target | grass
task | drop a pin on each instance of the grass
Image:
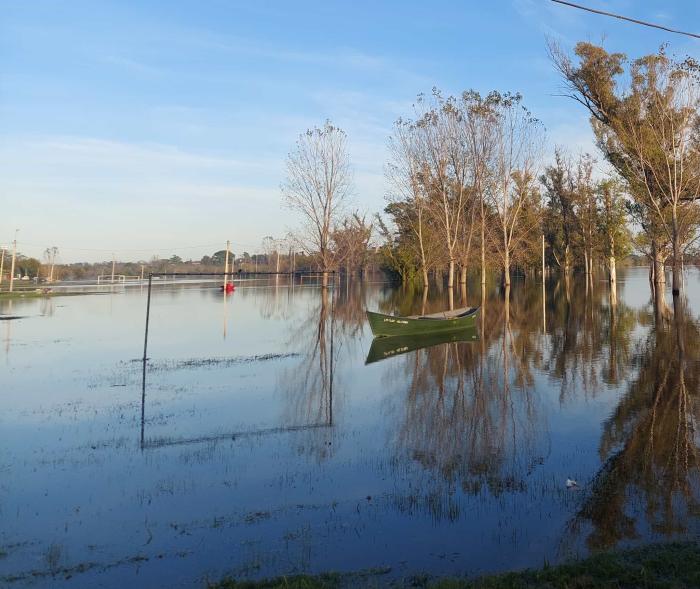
(656, 566)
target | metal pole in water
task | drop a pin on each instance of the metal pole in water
(143, 403)
(148, 315)
(330, 388)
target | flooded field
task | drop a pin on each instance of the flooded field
(257, 441)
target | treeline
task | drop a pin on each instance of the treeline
(276, 260)
(486, 221)
(469, 190)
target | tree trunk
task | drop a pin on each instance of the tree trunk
(451, 274)
(483, 244)
(677, 276)
(506, 269)
(659, 276)
(463, 275)
(324, 280)
(612, 270)
(567, 260)
(424, 266)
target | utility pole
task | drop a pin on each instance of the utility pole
(113, 264)
(142, 272)
(543, 258)
(52, 260)
(228, 245)
(14, 257)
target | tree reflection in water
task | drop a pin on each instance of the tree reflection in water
(470, 419)
(471, 416)
(309, 387)
(649, 481)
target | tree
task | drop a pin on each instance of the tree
(444, 169)
(613, 225)
(518, 140)
(218, 258)
(647, 127)
(318, 183)
(560, 221)
(407, 193)
(479, 118)
(351, 240)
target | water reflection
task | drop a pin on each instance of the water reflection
(649, 481)
(383, 348)
(470, 415)
(281, 442)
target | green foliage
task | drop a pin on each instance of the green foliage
(219, 258)
(398, 255)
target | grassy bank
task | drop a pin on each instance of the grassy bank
(34, 294)
(654, 566)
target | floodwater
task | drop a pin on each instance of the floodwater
(260, 443)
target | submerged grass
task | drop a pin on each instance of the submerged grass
(667, 566)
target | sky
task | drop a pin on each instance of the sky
(148, 128)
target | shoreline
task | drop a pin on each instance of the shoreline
(668, 565)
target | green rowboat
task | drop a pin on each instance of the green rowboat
(388, 347)
(389, 325)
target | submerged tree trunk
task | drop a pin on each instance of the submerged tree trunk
(463, 275)
(659, 276)
(612, 270)
(451, 274)
(677, 276)
(424, 265)
(483, 245)
(426, 282)
(506, 269)
(324, 280)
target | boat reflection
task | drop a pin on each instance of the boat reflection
(388, 347)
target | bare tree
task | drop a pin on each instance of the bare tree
(478, 124)
(518, 142)
(318, 183)
(445, 169)
(351, 239)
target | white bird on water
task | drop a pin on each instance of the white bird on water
(571, 483)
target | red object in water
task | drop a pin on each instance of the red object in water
(229, 288)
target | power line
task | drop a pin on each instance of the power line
(627, 18)
(134, 250)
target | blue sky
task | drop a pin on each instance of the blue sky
(158, 127)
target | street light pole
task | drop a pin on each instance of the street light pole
(14, 257)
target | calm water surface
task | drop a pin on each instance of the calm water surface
(262, 444)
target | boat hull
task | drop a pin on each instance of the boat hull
(388, 325)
